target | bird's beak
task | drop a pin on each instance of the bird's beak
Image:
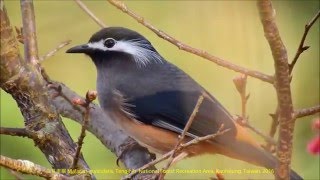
(84, 48)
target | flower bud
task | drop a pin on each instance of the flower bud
(240, 82)
(91, 95)
(78, 101)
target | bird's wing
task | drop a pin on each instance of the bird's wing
(171, 110)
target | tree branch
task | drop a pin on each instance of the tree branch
(282, 85)
(302, 47)
(221, 62)
(220, 132)
(307, 111)
(54, 51)
(300, 50)
(24, 82)
(90, 96)
(22, 132)
(15, 174)
(29, 32)
(90, 13)
(28, 167)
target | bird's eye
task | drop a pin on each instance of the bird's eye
(109, 43)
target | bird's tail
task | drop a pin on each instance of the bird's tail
(246, 149)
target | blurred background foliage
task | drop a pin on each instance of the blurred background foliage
(227, 29)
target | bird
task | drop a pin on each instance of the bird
(151, 100)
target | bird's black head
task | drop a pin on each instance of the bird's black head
(112, 41)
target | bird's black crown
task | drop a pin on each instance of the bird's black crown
(117, 33)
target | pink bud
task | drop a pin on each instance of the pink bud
(78, 101)
(314, 146)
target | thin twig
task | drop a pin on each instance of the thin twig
(15, 174)
(28, 167)
(282, 86)
(274, 124)
(302, 47)
(80, 140)
(54, 51)
(22, 132)
(181, 137)
(267, 138)
(91, 95)
(29, 32)
(221, 62)
(90, 13)
(307, 111)
(58, 88)
(182, 146)
(241, 84)
(205, 138)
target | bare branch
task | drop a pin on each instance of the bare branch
(282, 85)
(91, 95)
(54, 51)
(15, 132)
(302, 47)
(15, 174)
(265, 137)
(90, 13)
(190, 120)
(181, 137)
(29, 32)
(300, 50)
(221, 62)
(307, 111)
(28, 167)
(205, 138)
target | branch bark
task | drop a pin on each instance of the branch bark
(22, 132)
(307, 111)
(29, 32)
(28, 167)
(282, 85)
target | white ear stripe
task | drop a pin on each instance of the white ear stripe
(139, 49)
